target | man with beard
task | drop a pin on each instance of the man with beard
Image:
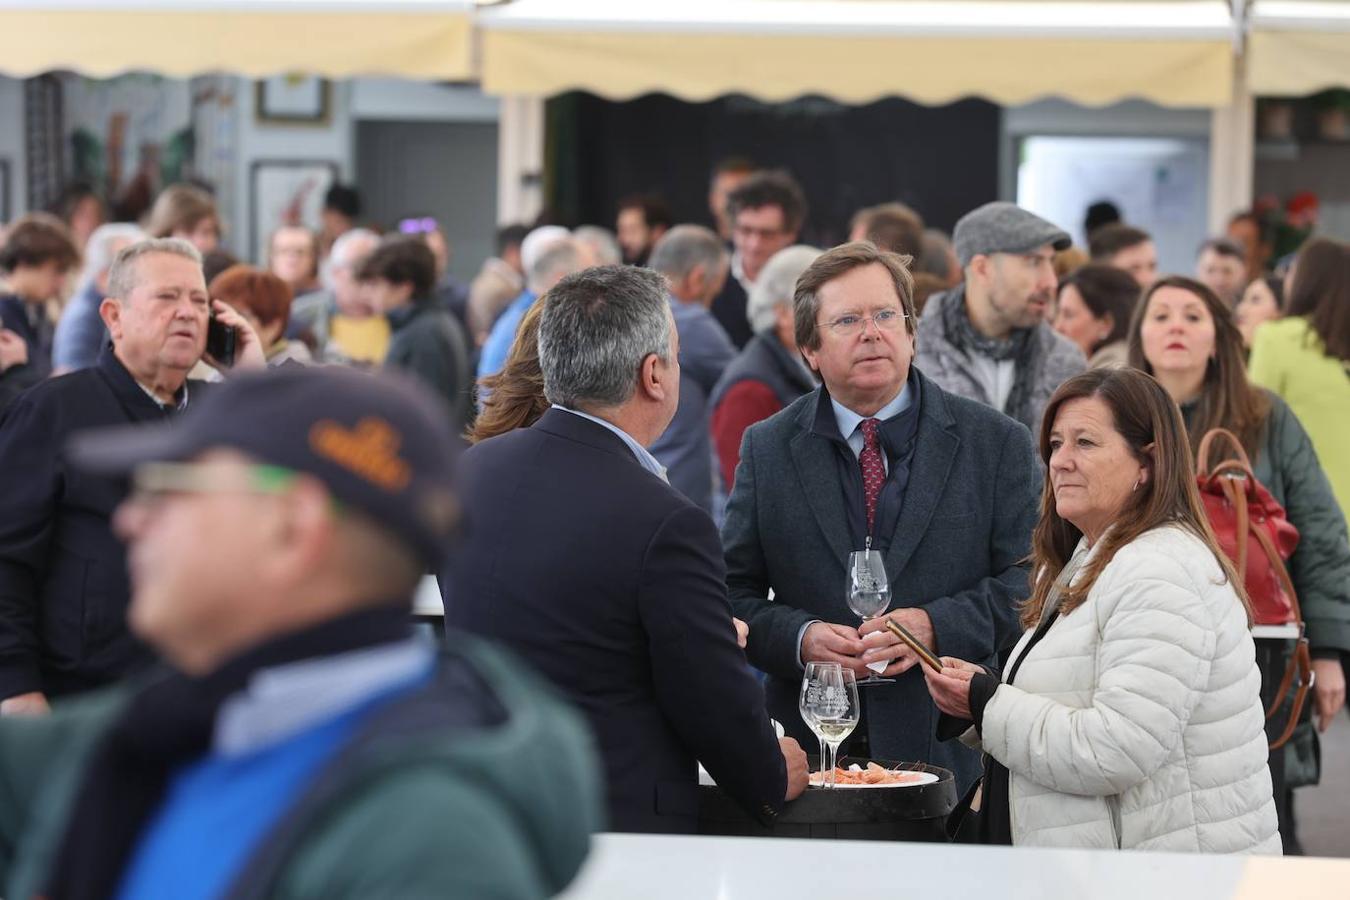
(643, 219)
(987, 339)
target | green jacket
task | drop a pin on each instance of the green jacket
(1287, 358)
(410, 808)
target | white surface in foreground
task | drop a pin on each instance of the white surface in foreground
(624, 866)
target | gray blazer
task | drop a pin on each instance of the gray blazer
(963, 532)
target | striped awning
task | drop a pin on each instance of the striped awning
(424, 39)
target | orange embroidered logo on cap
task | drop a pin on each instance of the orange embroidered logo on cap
(369, 450)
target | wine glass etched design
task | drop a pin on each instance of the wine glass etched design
(810, 676)
(869, 596)
(832, 700)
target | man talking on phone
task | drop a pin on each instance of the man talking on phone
(63, 579)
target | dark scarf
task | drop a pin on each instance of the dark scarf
(168, 724)
(1020, 346)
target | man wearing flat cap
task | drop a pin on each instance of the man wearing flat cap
(300, 741)
(987, 339)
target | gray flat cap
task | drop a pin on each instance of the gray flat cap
(1004, 228)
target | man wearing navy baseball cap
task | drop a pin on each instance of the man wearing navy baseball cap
(300, 741)
(987, 339)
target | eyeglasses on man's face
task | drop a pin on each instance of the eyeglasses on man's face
(852, 324)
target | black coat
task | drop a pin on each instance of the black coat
(957, 549)
(611, 584)
(63, 580)
(729, 309)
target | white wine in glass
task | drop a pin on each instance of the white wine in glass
(833, 701)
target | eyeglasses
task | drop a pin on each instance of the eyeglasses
(153, 481)
(850, 325)
(425, 225)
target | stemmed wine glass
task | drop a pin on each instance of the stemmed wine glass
(869, 596)
(831, 700)
(812, 677)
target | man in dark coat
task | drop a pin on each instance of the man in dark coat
(63, 579)
(581, 559)
(766, 215)
(881, 457)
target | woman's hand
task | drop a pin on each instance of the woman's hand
(248, 346)
(950, 688)
(1328, 690)
(742, 632)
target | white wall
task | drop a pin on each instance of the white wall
(12, 144)
(330, 141)
(1178, 231)
(393, 99)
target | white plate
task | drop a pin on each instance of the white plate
(924, 778)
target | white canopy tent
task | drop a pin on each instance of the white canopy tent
(1172, 52)
(424, 39)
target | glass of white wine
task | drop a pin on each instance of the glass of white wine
(809, 677)
(832, 699)
(869, 596)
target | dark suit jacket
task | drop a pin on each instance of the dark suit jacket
(966, 522)
(728, 308)
(611, 584)
(63, 574)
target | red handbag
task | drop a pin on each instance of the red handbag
(1255, 535)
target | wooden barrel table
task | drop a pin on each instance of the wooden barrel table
(901, 813)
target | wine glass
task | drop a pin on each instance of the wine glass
(832, 699)
(811, 676)
(869, 596)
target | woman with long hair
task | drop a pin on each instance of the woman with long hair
(1132, 701)
(514, 397)
(1305, 357)
(1186, 337)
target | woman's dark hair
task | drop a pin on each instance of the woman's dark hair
(1321, 293)
(515, 395)
(1144, 415)
(1106, 291)
(1227, 399)
(1275, 285)
(401, 259)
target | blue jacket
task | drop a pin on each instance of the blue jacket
(610, 583)
(63, 574)
(685, 449)
(503, 335)
(80, 334)
(962, 533)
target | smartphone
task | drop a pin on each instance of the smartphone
(220, 341)
(928, 657)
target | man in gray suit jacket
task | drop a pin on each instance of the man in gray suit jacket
(945, 488)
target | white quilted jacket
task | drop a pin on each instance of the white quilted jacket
(1136, 721)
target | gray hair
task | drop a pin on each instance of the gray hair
(686, 247)
(561, 258)
(596, 328)
(602, 243)
(337, 254)
(98, 253)
(777, 284)
(122, 276)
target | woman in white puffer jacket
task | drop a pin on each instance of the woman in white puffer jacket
(1129, 714)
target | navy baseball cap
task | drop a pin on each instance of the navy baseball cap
(379, 443)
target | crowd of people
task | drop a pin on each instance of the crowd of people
(221, 483)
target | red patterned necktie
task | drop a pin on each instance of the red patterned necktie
(873, 469)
